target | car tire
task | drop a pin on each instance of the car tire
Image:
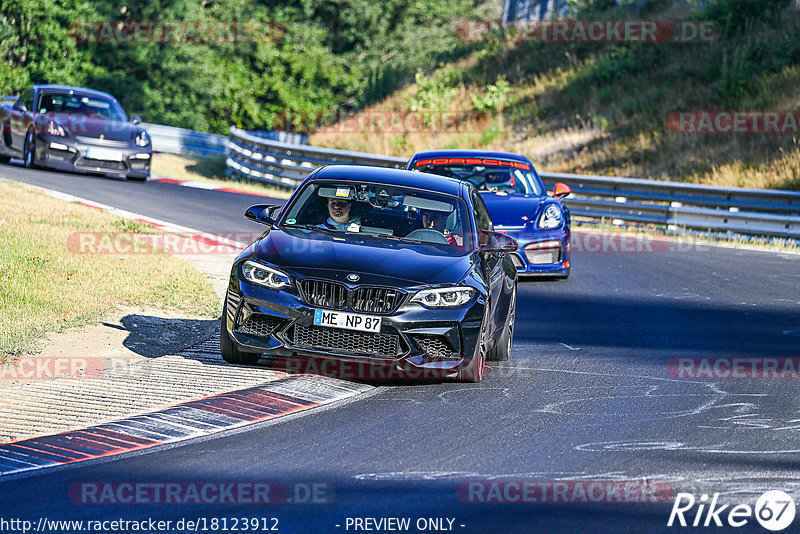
(29, 150)
(502, 349)
(229, 349)
(5, 159)
(476, 368)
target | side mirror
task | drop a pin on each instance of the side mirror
(261, 213)
(497, 242)
(561, 190)
(135, 119)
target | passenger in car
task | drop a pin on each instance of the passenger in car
(339, 215)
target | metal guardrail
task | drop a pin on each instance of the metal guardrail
(287, 164)
(171, 140)
(675, 205)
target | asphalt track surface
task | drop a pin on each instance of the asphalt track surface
(586, 396)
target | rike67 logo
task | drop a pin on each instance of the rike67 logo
(774, 510)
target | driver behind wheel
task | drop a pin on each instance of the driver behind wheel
(436, 220)
(499, 180)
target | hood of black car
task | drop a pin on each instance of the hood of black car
(375, 260)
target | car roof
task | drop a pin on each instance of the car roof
(83, 90)
(460, 153)
(396, 177)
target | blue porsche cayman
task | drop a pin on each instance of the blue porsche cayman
(517, 201)
(375, 267)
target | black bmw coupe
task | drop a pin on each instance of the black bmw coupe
(379, 268)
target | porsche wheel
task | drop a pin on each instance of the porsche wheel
(29, 150)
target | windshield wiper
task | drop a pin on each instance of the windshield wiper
(314, 227)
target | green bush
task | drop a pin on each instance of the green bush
(734, 16)
(495, 97)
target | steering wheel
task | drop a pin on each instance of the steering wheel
(429, 236)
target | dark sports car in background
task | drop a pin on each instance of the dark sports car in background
(72, 128)
(517, 201)
(384, 267)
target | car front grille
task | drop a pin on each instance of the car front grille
(102, 164)
(376, 299)
(436, 346)
(325, 294)
(261, 325)
(367, 299)
(344, 341)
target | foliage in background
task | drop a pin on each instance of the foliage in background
(334, 55)
(604, 108)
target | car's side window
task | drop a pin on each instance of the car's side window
(27, 99)
(482, 218)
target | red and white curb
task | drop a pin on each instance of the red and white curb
(181, 422)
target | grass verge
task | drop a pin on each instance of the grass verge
(45, 287)
(209, 170)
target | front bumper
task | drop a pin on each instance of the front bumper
(541, 252)
(430, 343)
(71, 154)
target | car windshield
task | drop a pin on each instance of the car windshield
(383, 211)
(92, 106)
(487, 177)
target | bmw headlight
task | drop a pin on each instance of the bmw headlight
(444, 297)
(263, 275)
(142, 139)
(55, 129)
(551, 217)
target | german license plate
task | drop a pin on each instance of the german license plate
(104, 154)
(349, 321)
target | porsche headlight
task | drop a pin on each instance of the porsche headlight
(142, 139)
(55, 129)
(444, 297)
(551, 217)
(263, 275)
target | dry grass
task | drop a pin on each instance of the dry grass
(570, 110)
(44, 287)
(208, 170)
